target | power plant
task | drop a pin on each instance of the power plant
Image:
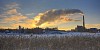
(81, 28)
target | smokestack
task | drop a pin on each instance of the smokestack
(83, 22)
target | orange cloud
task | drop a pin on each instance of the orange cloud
(27, 23)
(66, 28)
(14, 18)
(92, 25)
(56, 22)
(12, 11)
(3, 27)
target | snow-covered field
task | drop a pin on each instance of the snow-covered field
(54, 34)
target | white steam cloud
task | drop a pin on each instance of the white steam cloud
(52, 15)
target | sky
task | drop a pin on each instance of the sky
(42, 13)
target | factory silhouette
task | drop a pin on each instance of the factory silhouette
(38, 30)
(84, 29)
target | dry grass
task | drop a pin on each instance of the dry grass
(50, 43)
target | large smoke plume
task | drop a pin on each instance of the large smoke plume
(52, 15)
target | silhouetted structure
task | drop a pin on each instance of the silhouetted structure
(93, 30)
(21, 29)
(83, 21)
(80, 29)
(98, 30)
(38, 30)
(84, 29)
(51, 29)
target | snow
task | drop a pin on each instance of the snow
(53, 34)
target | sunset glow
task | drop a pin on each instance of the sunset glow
(46, 13)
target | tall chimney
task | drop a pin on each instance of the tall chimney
(83, 22)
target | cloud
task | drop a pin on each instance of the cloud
(29, 14)
(13, 5)
(12, 11)
(28, 23)
(92, 25)
(2, 16)
(15, 18)
(9, 10)
(12, 18)
(3, 27)
(56, 16)
(15, 21)
(11, 14)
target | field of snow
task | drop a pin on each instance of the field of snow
(70, 34)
